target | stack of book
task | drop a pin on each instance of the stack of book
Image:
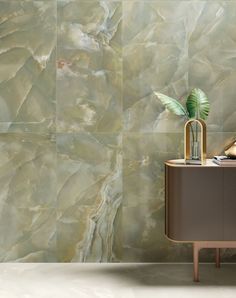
(225, 161)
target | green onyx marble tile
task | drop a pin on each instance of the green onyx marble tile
(89, 197)
(143, 165)
(11, 1)
(89, 66)
(27, 66)
(212, 60)
(27, 234)
(155, 57)
(28, 193)
(27, 171)
(143, 196)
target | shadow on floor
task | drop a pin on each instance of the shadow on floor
(158, 274)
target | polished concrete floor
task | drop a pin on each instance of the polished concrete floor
(19, 280)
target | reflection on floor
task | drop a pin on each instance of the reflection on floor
(115, 281)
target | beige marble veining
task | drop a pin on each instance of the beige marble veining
(27, 197)
(89, 177)
(155, 33)
(89, 66)
(178, 46)
(83, 139)
(212, 60)
(27, 72)
(143, 191)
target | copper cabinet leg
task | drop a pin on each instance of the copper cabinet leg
(195, 262)
(217, 257)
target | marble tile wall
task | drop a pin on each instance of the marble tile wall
(82, 137)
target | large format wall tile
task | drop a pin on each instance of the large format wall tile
(89, 66)
(27, 234)
(89, 197)
(93, 89)
(178, 46)
(27, 59)
(212, 59)
(155, 57)
(27, 197)
(143, 192)
(27, 171)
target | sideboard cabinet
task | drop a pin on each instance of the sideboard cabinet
(201, 206)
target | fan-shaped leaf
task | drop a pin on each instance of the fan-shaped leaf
(172, 104)
(197, 104)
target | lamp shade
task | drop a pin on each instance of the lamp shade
(231, 150)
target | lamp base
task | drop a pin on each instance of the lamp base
(193, 162)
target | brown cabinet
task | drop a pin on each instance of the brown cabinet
(201, 205)
(229, 204)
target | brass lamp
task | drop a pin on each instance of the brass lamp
(191, 147)
(230, 150)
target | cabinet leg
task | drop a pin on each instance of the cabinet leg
(217, 257)
(195, 262)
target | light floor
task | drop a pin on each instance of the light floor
(19, 280)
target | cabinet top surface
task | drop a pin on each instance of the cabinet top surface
(181, 163)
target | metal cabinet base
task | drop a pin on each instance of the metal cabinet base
(198, 245)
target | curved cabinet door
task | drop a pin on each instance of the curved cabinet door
(230, 204)
(194, 203)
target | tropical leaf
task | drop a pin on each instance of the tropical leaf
(172, 104)
(197, 104)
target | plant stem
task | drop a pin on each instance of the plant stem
(196, 127)
(191, 127)
(192, 131)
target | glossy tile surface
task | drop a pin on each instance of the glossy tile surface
(143, 191)
(28, 198)
(178, 45)
(212, 59)
(89, 197)
(155, 33)
(83, 139)
(89, 66)
(27, 72)
(115, 281)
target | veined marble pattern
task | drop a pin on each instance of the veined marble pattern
(27, 197)
(89, 197)
(89, 66)
(27, 59)
(212, 60)
(82, 137)
(156, 34)
(178, 46)
(143, 191)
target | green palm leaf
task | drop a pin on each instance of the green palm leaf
(172, 104)
(197, 104)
